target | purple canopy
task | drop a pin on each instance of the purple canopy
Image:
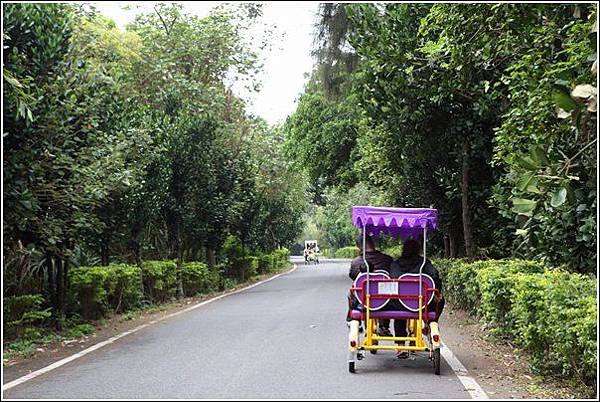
(394, 221)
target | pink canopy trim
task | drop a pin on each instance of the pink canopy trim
(394, 221)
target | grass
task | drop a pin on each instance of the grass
(24, 348)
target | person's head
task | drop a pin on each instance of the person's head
(411, 248)
(369, 243)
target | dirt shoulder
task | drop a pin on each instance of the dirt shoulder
(500, 369)
(14, 368)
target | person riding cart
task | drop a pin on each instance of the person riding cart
(411, 297)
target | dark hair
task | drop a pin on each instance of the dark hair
(411, 248)
(369, 241)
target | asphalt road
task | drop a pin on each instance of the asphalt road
(282, 339)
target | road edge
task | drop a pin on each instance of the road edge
(112, 339)
(470, 384)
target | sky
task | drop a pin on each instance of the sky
(285, 65)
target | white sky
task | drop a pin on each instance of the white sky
(284, 66)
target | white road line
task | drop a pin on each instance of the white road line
(97, 346)
(467, 381)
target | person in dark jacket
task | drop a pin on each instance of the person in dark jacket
(410, 262)
(377, 261)
(375, 258)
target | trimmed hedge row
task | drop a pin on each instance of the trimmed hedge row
(550, 313)
(95, 291)
(346, 252)
(273, 262)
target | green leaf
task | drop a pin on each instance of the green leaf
(559, 197)
(523, 206)
(538, 155)
(564, 101)
(525, 180)
(527, 162)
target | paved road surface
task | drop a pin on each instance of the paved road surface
(282, 339)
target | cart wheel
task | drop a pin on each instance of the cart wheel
(436, 361)
(373, 351)
(351, 367)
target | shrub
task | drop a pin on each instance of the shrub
(198, 278)
(394, 251)
(160, 280)
(95, 290)
(245, 267)
(80, 330)
(281, 259)
(22, 314)
(550, 313)
(266, 263)
(346, 252)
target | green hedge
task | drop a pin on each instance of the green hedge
(245, 267)
(96, 290)
(281, 259)
(550, 313)
(346, 252)
(198, 278)
(273, 262)
(395, 251)
(160, 280)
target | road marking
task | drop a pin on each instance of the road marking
(97, 346)
(467, 381)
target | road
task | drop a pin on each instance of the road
(285, 338)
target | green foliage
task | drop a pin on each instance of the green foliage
(393, 251)
(124, 146)
(274, 261)
(199, 279)
(346, 252)
(454, 106)
(95, 291)
(160, 280)
(244, 268)
(321, 137)
(81, 330)
(334, 219)
(550, 313)
(21, 313)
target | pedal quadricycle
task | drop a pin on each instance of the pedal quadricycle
(410, 297)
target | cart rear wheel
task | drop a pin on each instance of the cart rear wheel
(351, 367)
(436, 361)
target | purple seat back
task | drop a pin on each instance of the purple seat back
(408, 286)
(376, 304)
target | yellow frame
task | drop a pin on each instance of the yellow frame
(414, 326)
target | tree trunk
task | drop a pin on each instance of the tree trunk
(466, 215)
(104, 250)
(452, 244)
(59, 293)
(65, 288)
(50, 270)
(134, 243)
(446, 246)
(210, 257)
(179, 270)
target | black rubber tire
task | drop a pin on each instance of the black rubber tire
(373, 351)
(351, 367)
(436, 361)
